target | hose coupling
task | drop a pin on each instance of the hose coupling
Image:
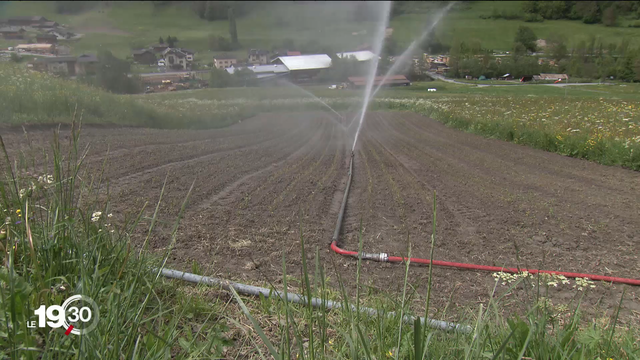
(382, 257)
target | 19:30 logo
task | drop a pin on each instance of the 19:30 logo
(78, 315)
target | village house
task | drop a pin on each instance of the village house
(224, 61)
(67, 65)
(259, 57)
(12, 32)
(190, 53)
(26, 20)
(61, 34)
(364, 55)
(86, 64)
(159, 48)
(56, 65)
(176, 59)
(562, 77)
(46, 39)
(37, 48)
(144, 56)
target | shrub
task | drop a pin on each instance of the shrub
(533, 18)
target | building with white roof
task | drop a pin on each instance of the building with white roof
(364, 55)
(262, 72)
(304, 67)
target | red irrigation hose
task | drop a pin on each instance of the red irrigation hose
(383, 257)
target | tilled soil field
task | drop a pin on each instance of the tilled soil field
(258, 185)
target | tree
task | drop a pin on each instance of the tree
(556, 47)
(160, 40)
(113, 75)
(519, 49)
(171, 41)
(626, 68)
(588, 11)
(527, 38)
(609, 16)
(219, 78)
(530, 7)
(209, 11)
(233, 31)
(244, 77)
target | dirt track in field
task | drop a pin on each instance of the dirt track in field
(255, 182)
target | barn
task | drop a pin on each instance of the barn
(304, 68)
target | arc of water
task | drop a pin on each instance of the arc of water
(320, 101)
(377, 47)
(409, 51)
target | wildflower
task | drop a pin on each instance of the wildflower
(45, 179)
(96, 216)
(110, 215)
(389, 354)
(19, 212)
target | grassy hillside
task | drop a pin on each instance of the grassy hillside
(122, 26)
(498, 34)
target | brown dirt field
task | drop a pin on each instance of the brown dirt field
(257, 182)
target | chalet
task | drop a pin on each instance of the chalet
(46, 39)
(57, 65)
(176, 59)
(144, 56)
(553, 77)
(396, 80)
(224, 61)
(159, 48)
(26, 20)
(86, 64)
(190, 53)
(12, 32)
(304, 67)
(293, 53)
(260, 57)
(37, 48)
(61, 34)
(364, 55)
(46, 25)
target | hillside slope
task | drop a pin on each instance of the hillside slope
(122, 26)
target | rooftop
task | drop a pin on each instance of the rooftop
(363, 55)
(87, 58)
(258, 52)
(305, 62)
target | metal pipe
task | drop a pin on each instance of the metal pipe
(299, 299)
(336, 232)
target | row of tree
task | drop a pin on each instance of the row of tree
(220, 78)
(589, 12)
(592, 59)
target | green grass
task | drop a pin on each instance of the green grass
(139, 24)
(60, 239)
(466, 25)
